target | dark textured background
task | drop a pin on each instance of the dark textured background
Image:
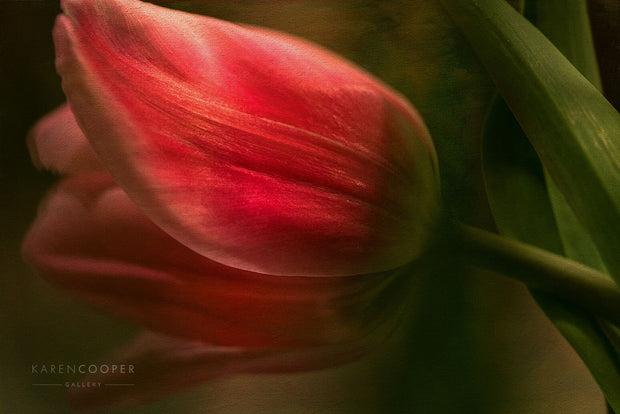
(480, 345)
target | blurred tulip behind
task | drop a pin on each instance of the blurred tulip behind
(470, 343)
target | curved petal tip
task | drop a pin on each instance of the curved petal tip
(57, 143)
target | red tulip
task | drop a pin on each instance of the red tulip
(226, 184)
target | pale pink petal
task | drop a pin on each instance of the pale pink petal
(255, 149)
(164, 365)
(90, 238)
(56, 143)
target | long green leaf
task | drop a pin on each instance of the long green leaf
(521, 208)
(517, 189)
(515, 183)
(572, 127)
(566, 24)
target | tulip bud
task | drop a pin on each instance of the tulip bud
(227, 184)
(255, 149)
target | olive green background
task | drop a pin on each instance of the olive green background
(476, 343)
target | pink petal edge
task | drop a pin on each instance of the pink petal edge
(56, 143)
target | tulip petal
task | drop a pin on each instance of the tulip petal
(56, 143)
(91, 238)
(164, 365)
(255, 149)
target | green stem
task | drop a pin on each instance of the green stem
(542, 270)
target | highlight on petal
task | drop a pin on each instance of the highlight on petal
(56, 143)
(91, 238)
(255, 149)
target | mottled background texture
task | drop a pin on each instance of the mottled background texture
(477, 344)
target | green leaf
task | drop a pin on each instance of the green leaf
(566, 24)
(578, 244)
(571, 125)
(518, 194)
(520, 205)
(515, 183)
